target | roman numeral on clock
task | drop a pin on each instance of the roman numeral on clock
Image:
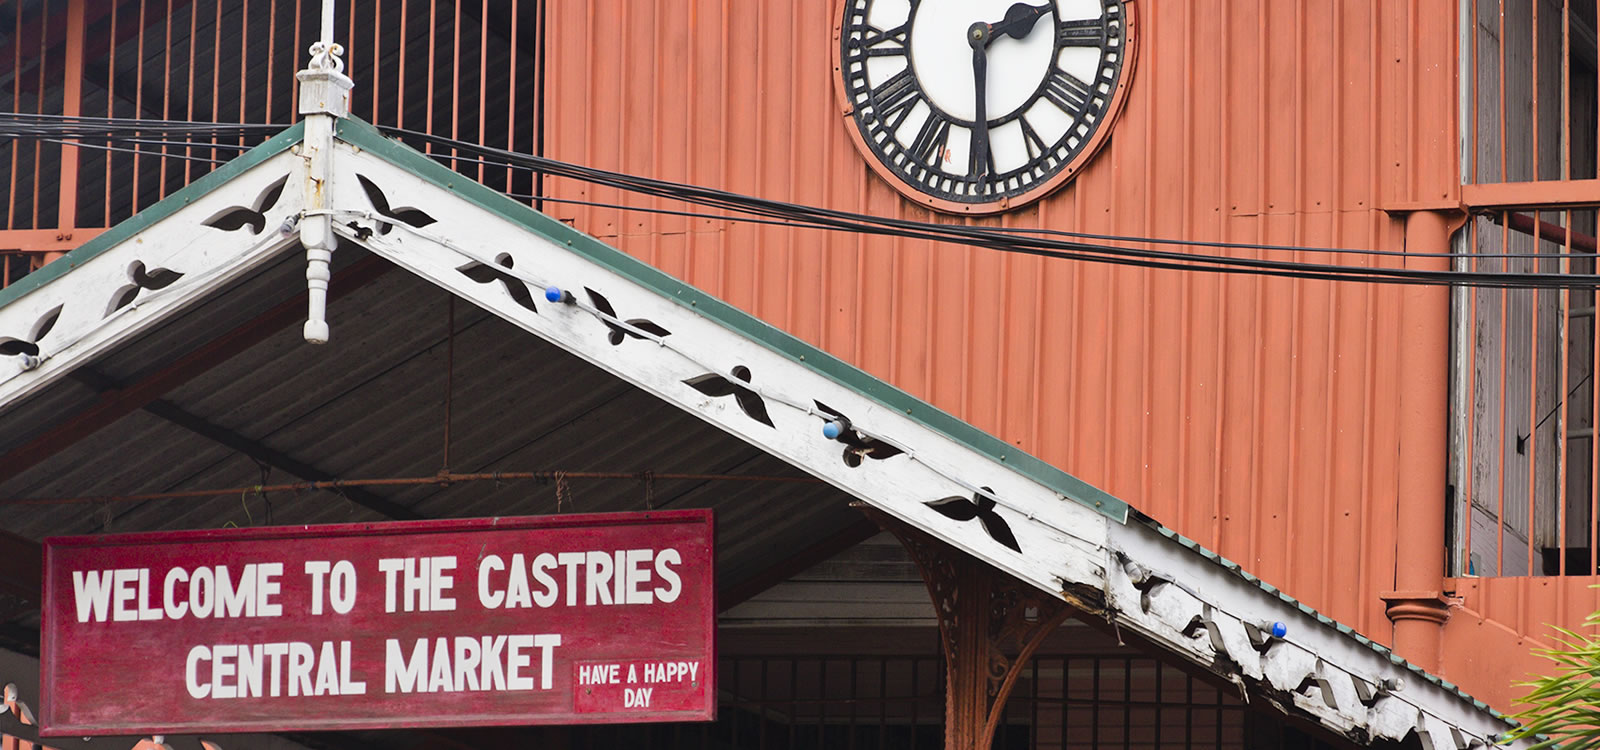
(981, 161)
(879, 43)
(932, 136)
(1083, 32)
(896, 98)
(1064, 90)
(895, 36)
(928, 147)
(1031, 140)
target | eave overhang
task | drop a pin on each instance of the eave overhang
(750, 380)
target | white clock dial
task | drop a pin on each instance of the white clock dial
(1047, 70)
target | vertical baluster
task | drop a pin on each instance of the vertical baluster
(1561, 405)
(1501, 401)
(71, 107)
(166, 98)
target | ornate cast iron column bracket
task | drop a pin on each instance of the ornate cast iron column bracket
(989, 626)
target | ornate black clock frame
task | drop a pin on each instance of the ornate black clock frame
(874, 114)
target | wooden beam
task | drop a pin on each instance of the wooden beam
(1547, 194)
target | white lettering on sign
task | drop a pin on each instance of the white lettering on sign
(636, 577)
(93, 592)
(518, 577)
(125, 594)
(572, 561)
(170, 604)
(671, 671)
(422, 580)
(598, 575)
(341, 585)
(608, 578)
(446, 665)
(257, 670)
(599, 674)
(663, 560)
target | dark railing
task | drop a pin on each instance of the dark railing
(1523, 449)
(471, 70)
(879, 703)
(1530, 105)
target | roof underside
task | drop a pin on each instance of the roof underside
(372, 404)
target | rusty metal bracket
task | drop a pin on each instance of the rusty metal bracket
(990, 624)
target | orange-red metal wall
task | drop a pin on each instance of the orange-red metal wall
(1258, 416)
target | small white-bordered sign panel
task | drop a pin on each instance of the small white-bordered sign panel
(976, 106)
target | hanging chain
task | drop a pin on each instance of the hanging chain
(563, 491)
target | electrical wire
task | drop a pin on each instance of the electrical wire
(141, 152)
(454, 159)
(1004, 241)
(1106, 249)
(24, 125)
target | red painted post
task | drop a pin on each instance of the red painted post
(1416, 606)
(71, 106)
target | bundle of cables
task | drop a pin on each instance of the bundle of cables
(1375, 266)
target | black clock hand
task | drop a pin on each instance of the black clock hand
(1019, 21)
(978, 36)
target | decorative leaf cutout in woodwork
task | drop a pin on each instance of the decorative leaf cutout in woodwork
(857, 445)
(30, 346)
(13, 347)
(484, 273)
(254, 216)
(152, 278)
(717, 386)
(122, 298)
(407, 215)
(618, 333)
(143, 278)
(981, 507)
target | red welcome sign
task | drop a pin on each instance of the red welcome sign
(553, 620)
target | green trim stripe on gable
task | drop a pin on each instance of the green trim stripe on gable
(368, 138)
(161, 210)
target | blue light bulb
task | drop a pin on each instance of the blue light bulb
(553, 293)
(1279, 630)
(831, 430)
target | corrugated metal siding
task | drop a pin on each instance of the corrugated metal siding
(1256, 416)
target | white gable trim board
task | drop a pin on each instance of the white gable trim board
(788, 399)
(134, 281)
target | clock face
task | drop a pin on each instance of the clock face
(976, 106)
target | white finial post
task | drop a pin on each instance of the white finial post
(324, 97)
(327, 22)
